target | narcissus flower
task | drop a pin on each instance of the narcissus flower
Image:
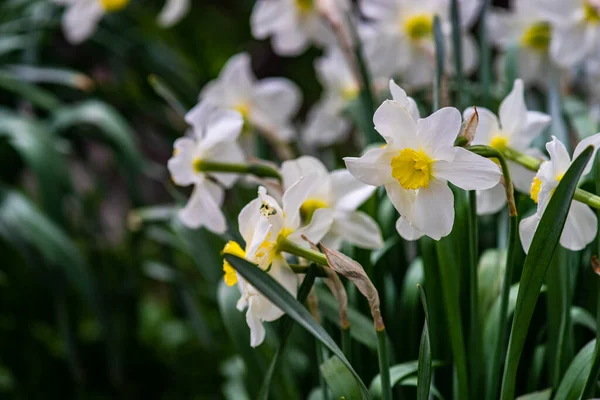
(575, 29)
(416, 164)
(400, 39)
(515, 128)
(264, 224)
(267, 105)
(525, 25)
(337, 194)
(581, 225)
(172, 12)
(215, 132)
(294, 24)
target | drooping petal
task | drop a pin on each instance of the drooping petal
(513, 111)
(468, 171)
(293, 198)
(257, 330)
(580, 228)
(358, 229)
(172, 12)
(434, 210)
(181, 165)
(204, 208)
(490, 201)
(407, 231)
(527, 228)
(373, 168)
(396, 125)
(348, 192)
(316, 230)
(437, 132)
(593, 140)
(487, 126)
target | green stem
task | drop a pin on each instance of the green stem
(439, 62)
(384, 365)
(485, 55)
(457, 48)
(260, 170)
(474, 332)
(346, 343)
(303, 269)
(286, 245)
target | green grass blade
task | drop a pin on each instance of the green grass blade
(536, 264)
(439, 62)
(340, 381)
(424, 366)
(286, 302)
(398, 373)
(457, 49)
(573, 382)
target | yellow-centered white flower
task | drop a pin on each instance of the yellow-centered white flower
(516, 127)
(337, 194)
(268, 104)
(263, 223)
(416, 164)
(213, 139)
(581, 224)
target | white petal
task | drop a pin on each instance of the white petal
(487, 126)
(434, 210)
(248, 218)
(237, 76)
(267, 17)
(570, 44)
(181, 165)
(214, 125)
(468, 171)
(318, 227)
(593, 140)
(293, 198)
(521, 177)
(402, 199)
(407, 231)
(513, 112)
(172, 12)
(490, 201)
(324, 127)
(229, 153)
(290, 41)
(527, 228)
(257, 330)
(535, 122)
(580, 228)
(399, 96)
(294, 170)
(358, 229)
(437, 132)
(203, 208)
(79, 20)
(278, 95)
(395, 124)
(559, 156)
(348, 192)
(373, 168)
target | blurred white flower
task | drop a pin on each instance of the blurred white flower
(416, 164)
(337, 193)
(575, 29)
(581, 225)
(294, 24)
(263, 223)
(268, 104)
(525, 26)
(172, 12)
(516, 128)
(215, 132)
(400, 40)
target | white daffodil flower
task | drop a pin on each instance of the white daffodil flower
(172, 12)
(339, 194)
(267, 105)
(526, 26)
(263, 223)
(81, 17)
(215, 132)
(295, 24)
(416, 164)
(401, 41)
(581, 224)
(515, 128)
(575, 29)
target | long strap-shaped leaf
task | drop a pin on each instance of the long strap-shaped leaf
(536, 264)
(286, 302)
(424, 366)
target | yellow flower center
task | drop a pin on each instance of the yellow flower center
(113, 5)
(412, 168)
(231, 247)
(244, 109)
(304, 5)
(537, 36)
(590, 13)
(418, 26)
(197, 165)
(534, 191)
(499, 142)
(350, 92)
(309, 207)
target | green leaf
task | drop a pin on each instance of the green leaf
(413, 381)
(340, 381)
(536, 264)
(36, 95)
(397, 374)
(573, 382)
(541, 395)
(424, 367)
(59, 76)
(581, 316)
(286, 302)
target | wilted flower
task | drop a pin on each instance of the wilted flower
(294, 24)
(515, 128)
(215, 132)
(581, 224)
(268, 104)
(401, 41)
(337, 194)
(416, 164)
(263, 225)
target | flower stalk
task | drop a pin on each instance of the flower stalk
(259, 170)
(285, 245)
